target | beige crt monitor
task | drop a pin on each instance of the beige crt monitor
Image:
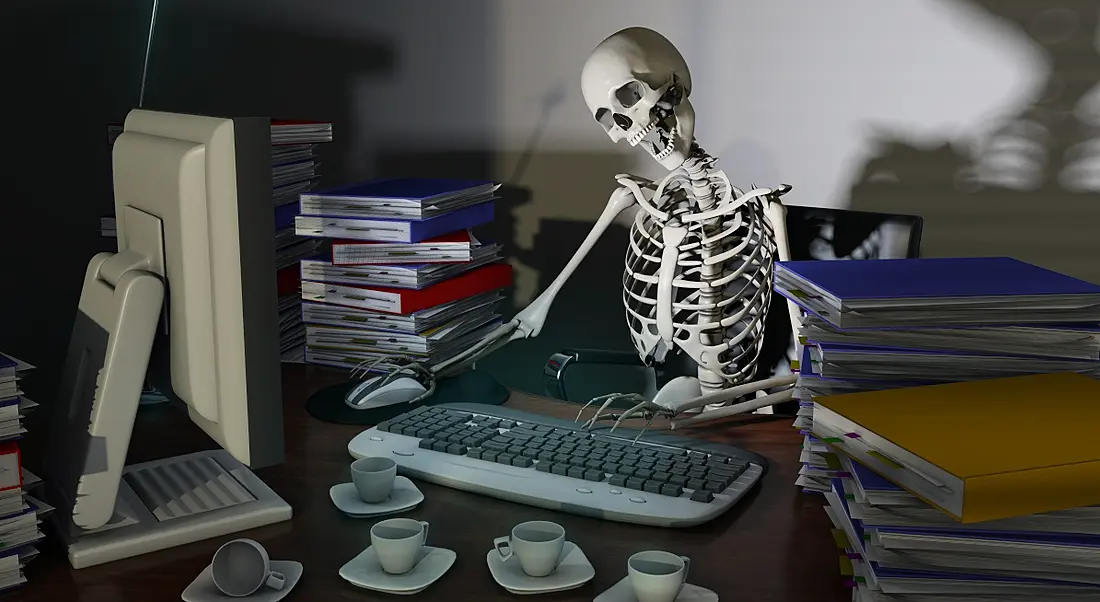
(191, 294)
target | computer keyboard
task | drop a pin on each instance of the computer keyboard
(661, 479)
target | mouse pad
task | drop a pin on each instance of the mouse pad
(472, 386)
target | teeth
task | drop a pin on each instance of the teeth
(669, 147)
(636, 138)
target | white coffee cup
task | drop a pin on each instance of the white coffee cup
(657, 576)
(537, 544)
(241, 567)
(397, 542)
(373, 478)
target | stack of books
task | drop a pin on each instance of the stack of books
(405, 275)
(891, 323)
(21, 514)
(982, 490)
(295, 169)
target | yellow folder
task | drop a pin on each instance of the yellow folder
(978, 450)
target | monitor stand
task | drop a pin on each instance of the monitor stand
(154, 505)
(167, 503)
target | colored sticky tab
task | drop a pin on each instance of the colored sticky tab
(850, 497)
(801, 340)
(861, 580)
(794, 365)
(846, 568)
(841, 539)
(832, 440)
(884, 459)
(831, 461)
(800, 294)
(852, 435)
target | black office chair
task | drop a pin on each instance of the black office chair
(813, 233)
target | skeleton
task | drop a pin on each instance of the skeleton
(698, 269)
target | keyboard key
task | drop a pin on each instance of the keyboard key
(543, 466)
(440, 446)
(671, 490)
(635, 483)
(702, 495)
(505, 458)
(643, 473)
(626, 470)
(560, 469)
(661, 476)
(457, 449)
(576, 472)
(678, 479)
(425, 444)
(618, 480)
(593, 475)
(696, 484)
(715, 486)
(522, 461)
(652, 487)
(490, 455)
(495, 445)
(475, 452)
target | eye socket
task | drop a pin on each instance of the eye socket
(630, 93)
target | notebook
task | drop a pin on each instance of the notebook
(979, 450)
(936, 292)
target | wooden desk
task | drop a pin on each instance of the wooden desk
(775, 547)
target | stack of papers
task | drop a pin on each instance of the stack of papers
(895, 547)
(874, 325)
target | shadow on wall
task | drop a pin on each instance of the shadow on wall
(1030, 190)
(588, 312)
(206, 63)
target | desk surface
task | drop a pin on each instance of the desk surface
(775, 546)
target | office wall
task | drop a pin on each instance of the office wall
(973, 113)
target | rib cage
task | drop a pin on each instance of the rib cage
(725, 336)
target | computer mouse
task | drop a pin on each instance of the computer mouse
(371, 393)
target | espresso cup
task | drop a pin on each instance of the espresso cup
(537, 545)
(241, 567)
(398, 542)
(373, 478)
(657, 576)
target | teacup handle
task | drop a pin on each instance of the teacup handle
(687, 569)
(424, 534)
(503, 546)
(275, 580)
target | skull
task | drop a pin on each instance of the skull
(636, 85)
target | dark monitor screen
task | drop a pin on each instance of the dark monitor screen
(817, 233)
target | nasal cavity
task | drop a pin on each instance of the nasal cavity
(623, 121)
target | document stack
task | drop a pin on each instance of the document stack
(892, 323)
(294, 170)
(405, 276)
(20, 513)
(981, 490)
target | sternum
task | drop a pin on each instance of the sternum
(702, 191)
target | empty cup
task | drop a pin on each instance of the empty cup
(537, 545)
(657, 576)
(241, 567)
(373, 478)
(398, 542)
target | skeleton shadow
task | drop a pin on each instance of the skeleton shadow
(1030, 190)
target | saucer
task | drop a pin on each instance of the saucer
(621, 592)
(366, 572)
(573, 571)
(202, 589)
(405, 495)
